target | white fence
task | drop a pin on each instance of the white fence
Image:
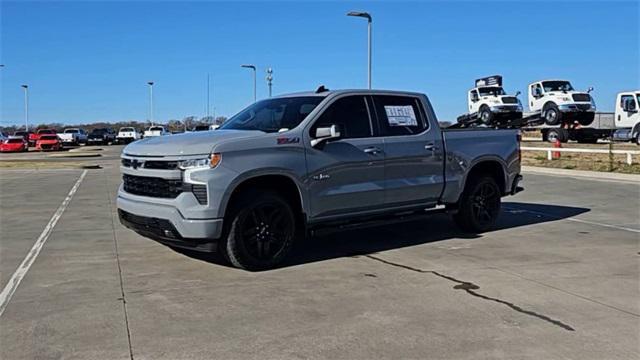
(550, 151)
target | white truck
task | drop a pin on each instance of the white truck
(73, 136)
(156, 131)
(627, 117)
(127, 135)
(489, 104)
(557, 103)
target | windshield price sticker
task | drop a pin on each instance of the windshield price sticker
(401, 115)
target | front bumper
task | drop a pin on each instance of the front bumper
(166, 224)
(577, 108)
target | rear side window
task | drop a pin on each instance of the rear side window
(351, 116)
(399, 115)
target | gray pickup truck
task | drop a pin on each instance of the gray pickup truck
(287, 166)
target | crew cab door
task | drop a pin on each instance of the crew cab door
(346, 174)
(414, 172)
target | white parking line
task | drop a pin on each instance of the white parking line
(576, 220)
(19, 274)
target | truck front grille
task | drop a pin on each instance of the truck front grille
(162, 188)
(581, 97)
(151, 164)
(509, 100)
(584, 107)
(150, 186)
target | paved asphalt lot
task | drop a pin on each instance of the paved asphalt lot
(557, 280)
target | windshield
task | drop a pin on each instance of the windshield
(20, 133)
(273, 115)
(556, 86)
(638, 98)
(127, 129)
(48, 137)
(14, 141)
(71, 131)
(45, 131)
(155, 128)
(98, 131)
(493, 90)
(201, 127)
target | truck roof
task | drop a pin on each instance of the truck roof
(348, 91)
(537, 81)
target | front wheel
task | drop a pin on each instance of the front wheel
(552, 115)
(479, 205)
(261, 233)
(486, 116)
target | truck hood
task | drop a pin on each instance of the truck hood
(192, 143)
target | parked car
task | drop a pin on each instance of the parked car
(104, 136)
(156, 131)
(298, 163)
(127, 135)
(3, 136)
(49, 142)
(14, 144)
(26, 135)
(73, 136)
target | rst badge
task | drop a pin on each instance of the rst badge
(288, 140)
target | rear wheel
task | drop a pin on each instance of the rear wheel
(261, 232)
(557, 134)
(479, 205)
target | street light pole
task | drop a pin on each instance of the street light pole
(150, 83)
(367, 16)
(26, 107)
(253, 67)
(208, 91)
(269, 79)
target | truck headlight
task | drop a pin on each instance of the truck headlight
(495, 101)
(210, 162)
(565, 98)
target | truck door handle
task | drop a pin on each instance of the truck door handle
(373, 150)
(430, 147)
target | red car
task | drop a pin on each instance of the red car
(14, 144)
(41, 132)
(48, 142)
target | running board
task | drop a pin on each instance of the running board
(382, 220)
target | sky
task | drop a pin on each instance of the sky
(87, 61)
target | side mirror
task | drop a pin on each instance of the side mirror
(518, 93)
(324, 134)
(590, 89)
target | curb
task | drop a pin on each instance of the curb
(598, 175)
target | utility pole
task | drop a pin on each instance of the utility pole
(269, 79)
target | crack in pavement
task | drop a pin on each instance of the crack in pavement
(470, 288)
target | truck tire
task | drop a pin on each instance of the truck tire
(485, 116)
(479, 205)
(262, 229)
(551, 114)
(557, 134)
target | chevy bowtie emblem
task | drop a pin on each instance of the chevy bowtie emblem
(135, 164)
